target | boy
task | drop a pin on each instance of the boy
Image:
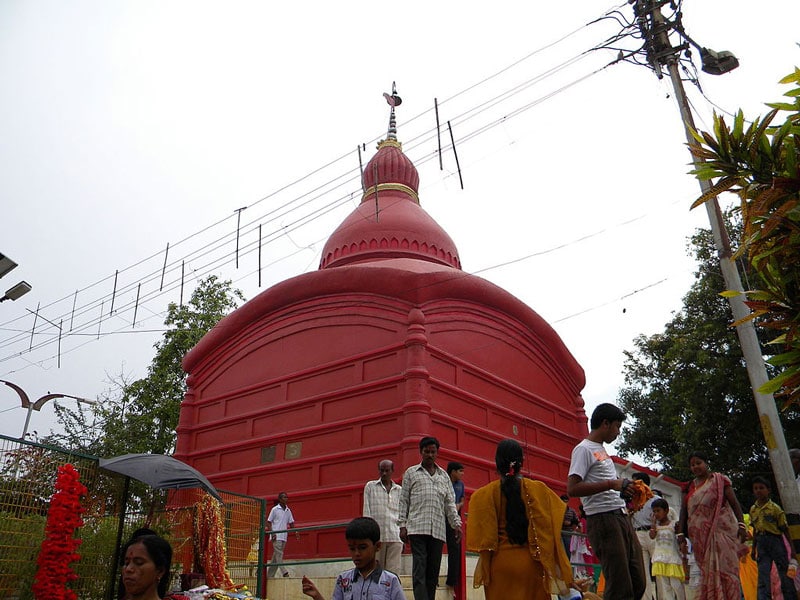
(769, 529)
(456, 472)
(367, 580)
(592, 476)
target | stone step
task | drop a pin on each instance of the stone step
(290, 588)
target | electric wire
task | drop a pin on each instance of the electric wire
(175, 264)
(223, 240)
(459, 274)
(96, 320)
(330, 163)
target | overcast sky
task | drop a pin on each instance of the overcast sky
(127, 126)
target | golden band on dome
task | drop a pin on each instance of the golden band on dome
(392, 143)
(383, 187)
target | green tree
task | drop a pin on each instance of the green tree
(760, 164)
(686, 388)
(141, 415)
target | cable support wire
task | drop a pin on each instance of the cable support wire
(459, 274)
(253, 246)
(90, 308)
(345, 156)
(463, 117)
(197, 273)
(276, 234)
(173, 285)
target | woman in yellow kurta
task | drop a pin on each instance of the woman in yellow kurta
(515, 525)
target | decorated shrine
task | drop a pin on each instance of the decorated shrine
(308, 385)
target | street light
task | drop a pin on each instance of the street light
(718, 63)
(16, 291)
(37, 405)
(6, 264)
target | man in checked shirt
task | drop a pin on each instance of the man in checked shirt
(382, 502)
(427, 500)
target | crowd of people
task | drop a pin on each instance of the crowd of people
(703, 554)
(530, 543)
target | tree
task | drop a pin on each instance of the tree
(760, 164)
(687, 389)
(141, 415)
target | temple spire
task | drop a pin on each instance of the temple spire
(392, 100)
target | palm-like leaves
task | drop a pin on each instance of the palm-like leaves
(760, 164)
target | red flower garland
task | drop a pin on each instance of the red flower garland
(209, 532)
(59, 546)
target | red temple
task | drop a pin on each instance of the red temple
(308, 385)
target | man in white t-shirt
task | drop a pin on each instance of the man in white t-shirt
(280, 519)
(592, 476)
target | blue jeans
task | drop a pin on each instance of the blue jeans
(769, 549)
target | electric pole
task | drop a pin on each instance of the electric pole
(661, 53)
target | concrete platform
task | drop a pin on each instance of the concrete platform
(289, 588)
(324, 576)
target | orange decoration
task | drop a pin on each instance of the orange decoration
(210, 552)
(641, 494)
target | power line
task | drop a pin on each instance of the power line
(346, 156)
(275, 213)
(348, 177)
(628, 221)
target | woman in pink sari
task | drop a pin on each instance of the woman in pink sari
(712, 518)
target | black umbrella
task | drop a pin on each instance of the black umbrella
(159, 471)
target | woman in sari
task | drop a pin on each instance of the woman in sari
(515, 526)
(712, 519)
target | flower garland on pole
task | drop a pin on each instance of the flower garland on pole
(59, 547)
(209, 533)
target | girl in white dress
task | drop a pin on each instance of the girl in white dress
(667, 560)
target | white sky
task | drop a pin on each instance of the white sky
(125, 126)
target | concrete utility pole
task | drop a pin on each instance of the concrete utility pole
(663, 54)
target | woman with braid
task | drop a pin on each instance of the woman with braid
(514, 524)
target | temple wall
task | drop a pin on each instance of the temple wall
(310, 398)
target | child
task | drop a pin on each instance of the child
(769, 529)
(456, 472)
(692, 584)
(667, 561)
(367, 580)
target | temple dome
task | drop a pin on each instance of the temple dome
(389, 222)
(390, 165)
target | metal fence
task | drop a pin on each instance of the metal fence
(27, 476)
(116, 506)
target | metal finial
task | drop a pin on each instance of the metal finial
(392, 100)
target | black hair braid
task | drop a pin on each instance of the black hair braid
(516, 517)
(508, 459)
